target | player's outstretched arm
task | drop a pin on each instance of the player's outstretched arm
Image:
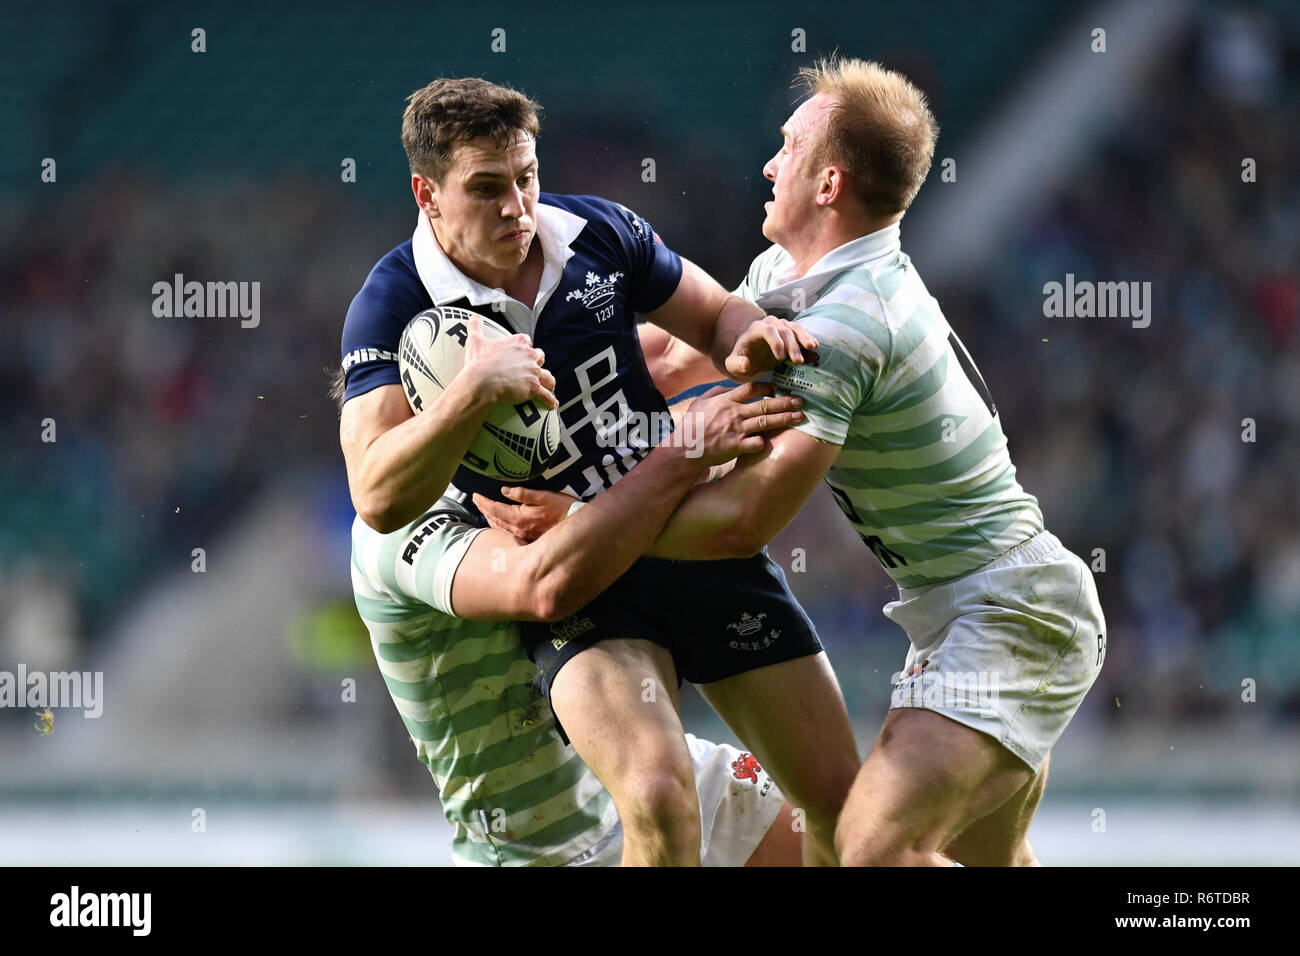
(399, 463)
(535, 512)
(504, 578)
(736, 516)
(674, 366)
(737, 337)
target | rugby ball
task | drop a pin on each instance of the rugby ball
(516, 441)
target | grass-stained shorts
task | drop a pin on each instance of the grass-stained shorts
(1009, 650)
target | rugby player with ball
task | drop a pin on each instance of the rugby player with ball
(439, 597)
(571, 274)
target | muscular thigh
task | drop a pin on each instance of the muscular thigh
(926, 780)
(1001, 837)
(792, 716)
(617, 701)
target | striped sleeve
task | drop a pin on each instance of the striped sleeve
(838, 377)
(417, 565)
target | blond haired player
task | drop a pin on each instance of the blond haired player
(1007, 634)
(573, 273)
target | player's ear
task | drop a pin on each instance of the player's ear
(831, 185)
(424, 198)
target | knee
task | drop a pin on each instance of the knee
(1025, 856)
(1019, 855)
(663, 802)
(822, 798)
(1022, 854)
(887, 853)
(857, 846)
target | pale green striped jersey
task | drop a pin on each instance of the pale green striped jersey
(924, 474)
(512, 791)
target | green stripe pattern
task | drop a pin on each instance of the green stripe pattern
(924, 474)
(466, 691)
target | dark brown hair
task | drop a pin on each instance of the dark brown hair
(452, 111)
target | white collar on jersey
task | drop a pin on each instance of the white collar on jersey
(556, 228)
(874, 247)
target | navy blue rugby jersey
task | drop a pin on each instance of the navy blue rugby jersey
(603, 264)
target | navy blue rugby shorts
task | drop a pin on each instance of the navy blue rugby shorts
(716, 618)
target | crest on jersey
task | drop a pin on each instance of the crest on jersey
(597, 292)
(748, 624)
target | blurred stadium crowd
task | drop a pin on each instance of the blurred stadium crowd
(1135, 439)
(1131, 438)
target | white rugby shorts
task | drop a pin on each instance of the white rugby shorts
(1009, 650)
(738, 804)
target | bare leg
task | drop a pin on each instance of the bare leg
(792, 717)
(618, 703)
(926, 780)
(781, 845)
(1002, 837)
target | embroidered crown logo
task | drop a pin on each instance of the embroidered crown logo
(747, 624)
(597, 292)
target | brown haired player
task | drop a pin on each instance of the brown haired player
(570, 274)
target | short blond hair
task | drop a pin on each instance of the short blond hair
(880, 131)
